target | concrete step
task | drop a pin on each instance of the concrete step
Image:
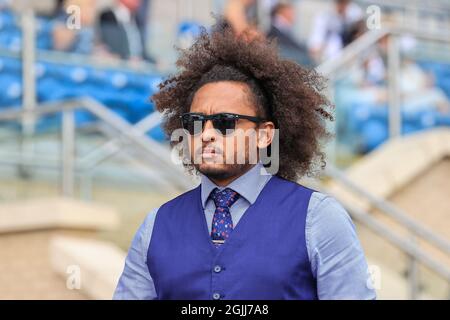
(88, 265)
(52, 213)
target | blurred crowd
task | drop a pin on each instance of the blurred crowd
(332, 29)
(418, 90)
(120, 30)
(117, 31)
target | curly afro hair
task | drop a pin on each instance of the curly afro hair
(283, 91)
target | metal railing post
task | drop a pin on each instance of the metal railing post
(419, 230)
(413, 273)
(29, 84)
(68, 152)
(86, 185)
(395, 122)
(153, 151)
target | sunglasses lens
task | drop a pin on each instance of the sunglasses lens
(224, 124)
(193, 124)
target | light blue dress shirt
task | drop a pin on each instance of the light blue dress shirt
(336, 256)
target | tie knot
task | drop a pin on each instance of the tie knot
(224, 198)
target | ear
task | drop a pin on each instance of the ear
(266, 133)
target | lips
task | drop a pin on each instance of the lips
(210, 152)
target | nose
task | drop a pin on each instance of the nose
(209, 133)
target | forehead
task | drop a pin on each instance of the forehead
(223, 96)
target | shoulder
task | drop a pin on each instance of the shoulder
(146, 228)
(324, 206)
(280, 181)
(177, 205)
(319, 200)
(185, 196)
(328, 219)
(145, 231)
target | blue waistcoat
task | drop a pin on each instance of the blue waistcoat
(265, 256)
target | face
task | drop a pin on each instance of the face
(214, 154)
(288, 13)
(341, 6)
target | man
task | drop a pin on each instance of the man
(244, 233)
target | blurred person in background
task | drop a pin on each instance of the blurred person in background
(80, 39)
(332, 30)
(281, 29)
(5, 4)
(120, 32)
(142, 21)
(418, 91)
(242, 16)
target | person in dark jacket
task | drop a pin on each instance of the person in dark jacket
(120, 31)
(283, 19)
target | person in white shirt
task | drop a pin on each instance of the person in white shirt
(329, 34)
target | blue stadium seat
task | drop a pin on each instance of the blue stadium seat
(157, 133)
(124, 92)
(9, 65)
(7, 19)
(441, 72)
(373, 133)
(11, 90)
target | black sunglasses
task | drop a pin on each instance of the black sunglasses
(220, 121)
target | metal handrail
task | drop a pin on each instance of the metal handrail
(390, 210)
(153, 149)
(410, 246)
(368, 39)
(432, 7)
(113, 145)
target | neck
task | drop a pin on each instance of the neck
(227, 181)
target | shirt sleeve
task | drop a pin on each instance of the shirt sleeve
(337, 259)
(135, 283)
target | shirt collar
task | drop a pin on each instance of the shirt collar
(249, 185)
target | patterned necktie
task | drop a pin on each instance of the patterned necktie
(222, 224)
